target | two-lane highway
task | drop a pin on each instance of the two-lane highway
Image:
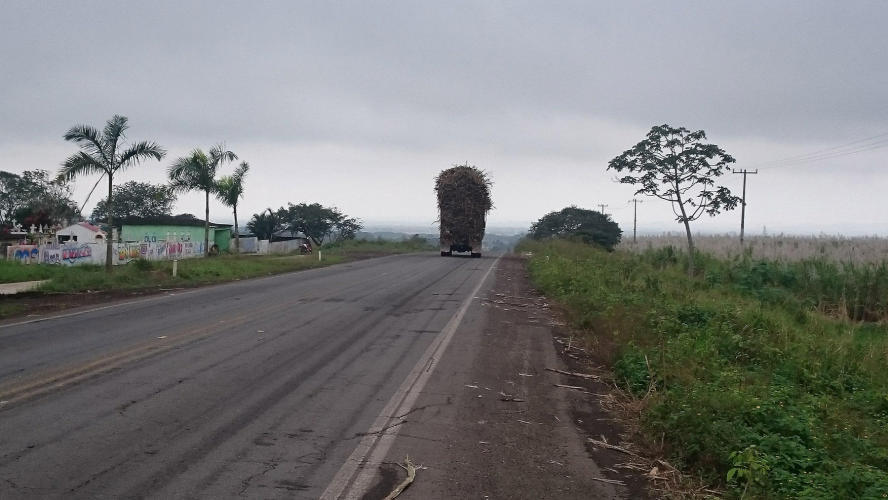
(261, 388)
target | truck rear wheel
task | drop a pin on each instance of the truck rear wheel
(445, 254)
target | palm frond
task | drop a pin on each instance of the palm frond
(88, 138)
(241, 171)
(80, 164)
(220, 155)
(114, 133)
(230, 188)
(140, 151)
(190, 172)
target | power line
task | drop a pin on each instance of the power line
(857, 146)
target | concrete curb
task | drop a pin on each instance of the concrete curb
(22, 286)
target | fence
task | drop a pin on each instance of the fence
(94, 253)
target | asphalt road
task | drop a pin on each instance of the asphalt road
(260, 388)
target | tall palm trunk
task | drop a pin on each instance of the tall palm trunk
(236, 232)
(207, 225)
(109, 237)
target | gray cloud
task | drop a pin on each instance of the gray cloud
(565, 84)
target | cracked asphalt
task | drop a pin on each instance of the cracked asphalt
(260, 388)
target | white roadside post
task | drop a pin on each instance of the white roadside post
(175, 267)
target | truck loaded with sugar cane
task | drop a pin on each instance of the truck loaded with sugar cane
(463, 203)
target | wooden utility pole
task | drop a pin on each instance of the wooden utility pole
(635, 201)
(743, 203)
(602, 205)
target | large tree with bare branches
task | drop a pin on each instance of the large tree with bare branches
(675, 165)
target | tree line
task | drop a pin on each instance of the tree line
(673, 164)
(35, 197)
(315, 221)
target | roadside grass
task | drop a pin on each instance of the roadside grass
(752, 387)
(13, 272)
(143, 274)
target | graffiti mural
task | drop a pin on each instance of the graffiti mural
(94, 253)
(127, 252)
(25, 254)
(70, 255)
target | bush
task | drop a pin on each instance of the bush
(587, 226)
(755, 389)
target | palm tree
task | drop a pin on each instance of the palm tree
(104, 153)
(229, 190)
(197, 172)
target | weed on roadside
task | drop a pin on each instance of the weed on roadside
(746, 382)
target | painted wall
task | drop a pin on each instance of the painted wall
(153, 234)
(288, 246)
(73, 254)
(222, 238)
(162, 250)
(180, 234)
(24, 254)
(94, 253)
(249, 244)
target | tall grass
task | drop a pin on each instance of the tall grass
(858, 291)
(857, 250)
(754, 389)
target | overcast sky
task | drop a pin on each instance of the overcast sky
(359, 104)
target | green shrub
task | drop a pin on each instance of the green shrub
(757, 390)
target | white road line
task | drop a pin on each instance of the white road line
(354, 477)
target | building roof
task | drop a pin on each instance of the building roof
(172, 220)
(85, 225)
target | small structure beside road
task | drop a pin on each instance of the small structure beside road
(81, 232)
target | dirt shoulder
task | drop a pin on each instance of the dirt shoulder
(491, 423)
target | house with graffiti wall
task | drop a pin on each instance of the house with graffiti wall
(166, 238)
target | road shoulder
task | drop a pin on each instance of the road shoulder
(492, 424)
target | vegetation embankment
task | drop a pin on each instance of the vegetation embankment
(752, 374)
(152, 275)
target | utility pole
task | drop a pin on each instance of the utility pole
(635, 201)
(602, 205)
(743, 203)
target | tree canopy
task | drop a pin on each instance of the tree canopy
(572, 222)
(137, 199)
(317, 222)
(35, 198)
(675, 165)
(265, 224)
